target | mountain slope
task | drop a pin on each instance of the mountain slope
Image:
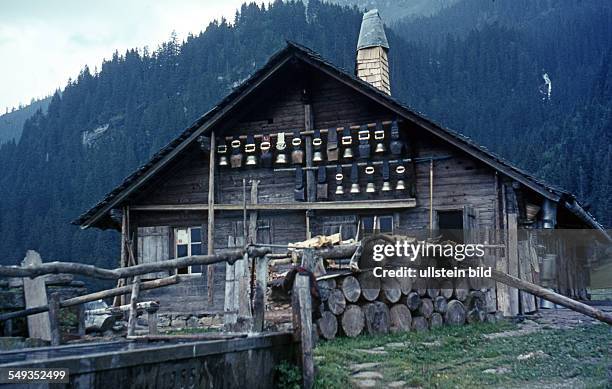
(11, 123)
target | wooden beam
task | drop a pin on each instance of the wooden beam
(210, 274)
(301, 304)
(229, 256)
(297, 206)
(311, 189)
(54, 319)
(133, 307)
(259, 300)
(35, 294)
(91, 297)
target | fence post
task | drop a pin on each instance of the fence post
(152, 320)
(301, 304)
(259, 300)
(133, 307)
(80, 319)
(54, 320)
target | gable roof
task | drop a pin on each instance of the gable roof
(99, 214)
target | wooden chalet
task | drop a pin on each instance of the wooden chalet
(303, 148)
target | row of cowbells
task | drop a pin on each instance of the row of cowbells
(355, 188)
(321, 151)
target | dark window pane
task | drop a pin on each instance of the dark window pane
(183, 270)
(181, 250)
(196, 249)
(386, 224)
(196, 234)
(368, 223)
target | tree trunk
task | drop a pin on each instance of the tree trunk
(400, 318)
(370, 286)
(353, 321)
(455, 313)
(328, 325)
(376, 318)
(351, 289)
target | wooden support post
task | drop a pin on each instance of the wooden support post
(133, 306)
(80, 319)
(230, 314)
(253, 214)
(54, 319)
(259, 305)
(152, 320)
(513, 262)
(123, 261)
(301, 305)
(210, 275)
(431, 225)
(35, 295)
(311, 188)
(302, 327)
(8, 328)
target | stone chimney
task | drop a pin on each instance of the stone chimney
(372, 61)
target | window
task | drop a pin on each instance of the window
(187, 242)
(450, 225)
(376, 224)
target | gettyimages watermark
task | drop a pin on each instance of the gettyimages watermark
(466, 259)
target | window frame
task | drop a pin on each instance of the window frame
(189, 245)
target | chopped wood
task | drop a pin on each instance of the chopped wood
(376, 318)
(370, 286)
(462, 289)
(412, 301)
(325, 288)
(351, 289)
(455, 313)
(440, 304)
(419, 323)
(400, 318)
(426, 308)
(405, 285)
(353, 320)
(391, 291)
(328, 325)
(433, 292)
(446, 289)
(336, 302)
(476, 315)
(436, 320)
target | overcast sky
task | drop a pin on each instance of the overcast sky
(45, 42)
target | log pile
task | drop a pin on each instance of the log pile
(363, 304)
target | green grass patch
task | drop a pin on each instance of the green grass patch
(457, 357)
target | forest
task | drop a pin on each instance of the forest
(529, 79)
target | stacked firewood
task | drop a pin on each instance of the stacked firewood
(363, 304)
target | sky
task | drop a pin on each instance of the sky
(43, 43)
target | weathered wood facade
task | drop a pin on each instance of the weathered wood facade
(297, 89)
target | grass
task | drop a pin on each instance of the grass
(562, 358)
